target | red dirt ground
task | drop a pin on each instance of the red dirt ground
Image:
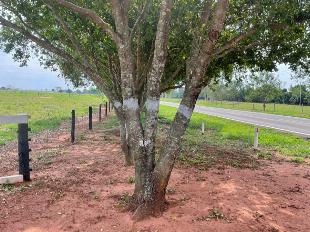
(81, 187)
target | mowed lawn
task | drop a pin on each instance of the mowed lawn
(47, 110)
(281, 109)
(222, 132)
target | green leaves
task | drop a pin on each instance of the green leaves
(282, 35)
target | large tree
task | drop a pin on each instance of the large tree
(135, 49)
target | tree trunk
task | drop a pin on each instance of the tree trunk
(125, 144)
(149, 199)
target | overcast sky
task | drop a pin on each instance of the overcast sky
(34, 77)
(31, 77)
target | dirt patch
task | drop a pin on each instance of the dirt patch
(82, 187)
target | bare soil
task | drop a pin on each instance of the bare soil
(85, 186)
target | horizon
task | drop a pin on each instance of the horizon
(35, 77)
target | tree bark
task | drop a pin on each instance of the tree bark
(125, 144)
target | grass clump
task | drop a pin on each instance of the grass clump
(298, 160)
(214, 214)
(131, 180)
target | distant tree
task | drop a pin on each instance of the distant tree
(285, 96)
(265, 88)
(299, 94)
(58, 90)
(303, 80)
(175, 93)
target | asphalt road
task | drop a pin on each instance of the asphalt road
(295, 125)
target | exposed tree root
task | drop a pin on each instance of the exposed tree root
(143, 210)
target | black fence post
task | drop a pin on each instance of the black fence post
(90, 116)
(106, 109)
(100, 116)
(23, 151)
(73, 127)
(109, 106)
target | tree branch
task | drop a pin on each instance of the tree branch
(206, 11)
(172, 87)
(20, 17)
(91, 15)
(235, 41)
(139, 19)
(51, 48)
(76, 44)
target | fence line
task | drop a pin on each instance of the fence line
(77, 124)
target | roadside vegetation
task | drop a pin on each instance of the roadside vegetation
(47, 110)
(270, 108)
(258, 91)
(237, 136)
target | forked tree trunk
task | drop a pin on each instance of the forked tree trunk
(151, 179)
(150, 197)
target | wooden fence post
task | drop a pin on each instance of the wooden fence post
(202, 127)
(73, 126)
(90, 116)
(106, 109)
(256, 131)
(100, 116)
(23, 151)
(109, 106)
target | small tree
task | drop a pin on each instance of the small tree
(265, 88)
(134, 50)
(303, 80)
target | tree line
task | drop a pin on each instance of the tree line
(262, 87)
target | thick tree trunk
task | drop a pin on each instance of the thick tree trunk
(150, 199)
(151, 179)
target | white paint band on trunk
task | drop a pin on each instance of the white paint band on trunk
(145, 143)
(131, 104)
(117, 104)
(185, 111)
(152, 105)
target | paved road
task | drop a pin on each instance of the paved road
(295, 125)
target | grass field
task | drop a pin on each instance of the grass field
(47, 110)
(281, 109)
(226, 133)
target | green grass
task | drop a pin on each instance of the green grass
(47, 110)
(226, 133)
(281, 109)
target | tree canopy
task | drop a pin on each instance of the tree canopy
(257, 35)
